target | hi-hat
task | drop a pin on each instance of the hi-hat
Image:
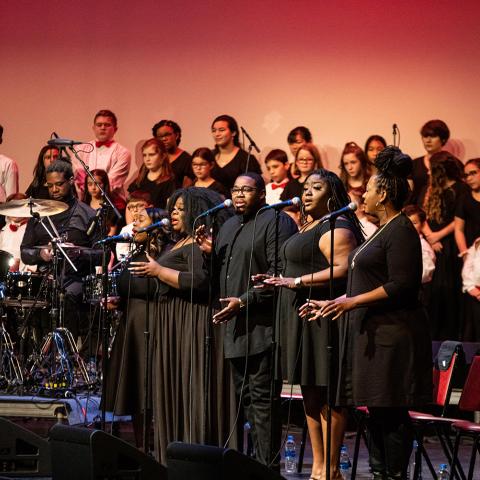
(21, 208)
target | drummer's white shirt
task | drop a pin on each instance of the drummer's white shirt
(10, 242)
(8, 177)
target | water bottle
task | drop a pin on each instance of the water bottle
(344, 463)
(443, 473)
(290, 455)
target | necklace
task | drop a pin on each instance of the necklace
(375, 235)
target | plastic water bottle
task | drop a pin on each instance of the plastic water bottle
(290, 455)
(344, 463)
(443, 473)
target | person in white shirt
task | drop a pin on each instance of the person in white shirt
(137, 202)
(8, 174)
(104, 153)
(471, 288)
(278, 168)
(418, 218)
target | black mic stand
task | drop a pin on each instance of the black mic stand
(332, 221)
(251, 146)
(274, 347)
(146, 359)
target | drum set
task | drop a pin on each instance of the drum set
(53, 364)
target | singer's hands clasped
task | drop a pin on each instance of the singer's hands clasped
(315, 309)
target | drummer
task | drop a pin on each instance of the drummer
(11, 236)
(71, 224)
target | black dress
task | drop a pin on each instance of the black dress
(420, 177)
(300, 255)
(159, 192)
(179, 411)
(386, 353)
(217, 187)
(182, 167)
(468, 209)
(236, 166)
(126, 367)
(445, 297)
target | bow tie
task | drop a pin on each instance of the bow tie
(15, 226)
(101, 144)
(279, 185)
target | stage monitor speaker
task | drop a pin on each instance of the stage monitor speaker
(22, 453)
(83, 454)
(203, 462)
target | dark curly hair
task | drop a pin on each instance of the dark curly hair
(197, 200)
(393, 167)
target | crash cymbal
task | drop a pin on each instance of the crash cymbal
(21, 208)
(65, 246)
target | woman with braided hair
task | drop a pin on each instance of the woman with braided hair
(386, 348)
(305, 260)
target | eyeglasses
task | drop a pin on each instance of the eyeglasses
(242, 190)
(56, 184)
(471, 173)
(135, 206)
(200, 165)
(305, 160)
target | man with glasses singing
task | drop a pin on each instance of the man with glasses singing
(71, 226)
(248, 311)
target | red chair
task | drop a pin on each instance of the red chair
(443, 380)
(469, 402)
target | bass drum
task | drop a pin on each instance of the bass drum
(92, 287)
(27, 290)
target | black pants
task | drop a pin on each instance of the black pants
(256, 404)
(391, 441)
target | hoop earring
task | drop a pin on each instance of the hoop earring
(329, 207)
(303, 215)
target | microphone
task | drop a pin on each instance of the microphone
(252, 143)
(351, 207)
(94, 222)
(287, 203)
(163, 223)
(124, 237)
(394, 129)
(63, 142)
(226, 204)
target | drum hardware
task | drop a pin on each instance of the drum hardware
(24, 207)
(11, 374)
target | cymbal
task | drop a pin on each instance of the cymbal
(65, 246)
(21, 208)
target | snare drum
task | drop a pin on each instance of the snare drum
(92, 287)
(28, 290)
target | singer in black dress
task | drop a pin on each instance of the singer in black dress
(305, 258)
(183, 320)
(125, 387)
(386, 361)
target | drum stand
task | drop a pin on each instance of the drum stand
(11, 374)
(59, 365)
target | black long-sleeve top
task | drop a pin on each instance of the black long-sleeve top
(73, 224)
(233, 247)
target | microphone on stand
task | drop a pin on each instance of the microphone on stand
(252, 143)
(94, 222)
(63, 142)
(394, 129)
(226, 204)
(124, 237)
(162, 224)
(351, 207)
(287, 203)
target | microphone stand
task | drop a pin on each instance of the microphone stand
(251, 145)
(274, 344)
(332, 221)
(146, 359)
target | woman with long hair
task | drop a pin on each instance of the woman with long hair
(373, 146)
(230, 159)
(183, 325)
(305, 259)
(386, 356)
(37, 188)
(444, 193)
(155, 175)
(354, 169)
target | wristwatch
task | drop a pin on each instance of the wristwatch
(298, 282)
(241, 305)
